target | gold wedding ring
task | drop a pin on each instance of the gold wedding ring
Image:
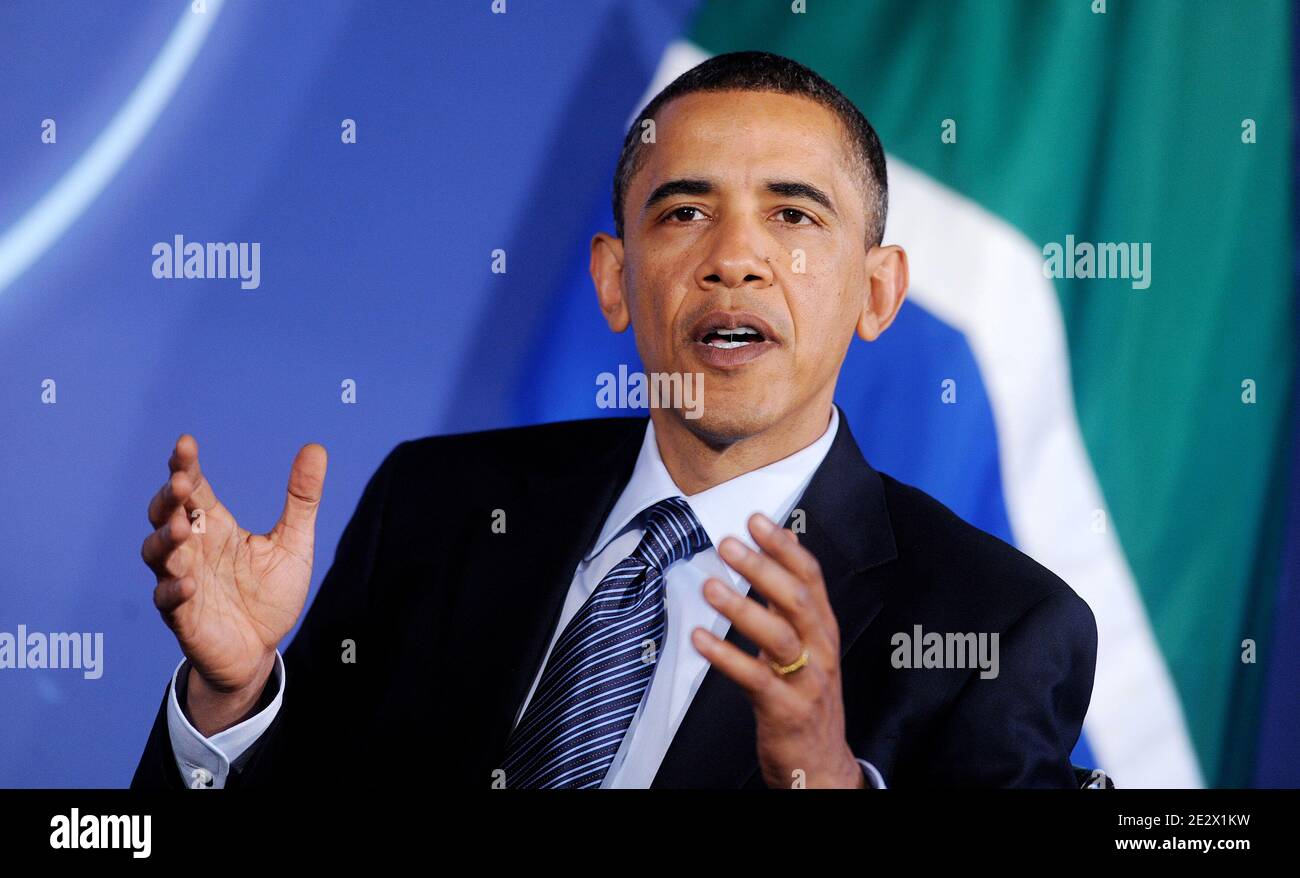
(792, 667)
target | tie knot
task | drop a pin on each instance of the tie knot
(672, 532)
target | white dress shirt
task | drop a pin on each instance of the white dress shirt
(722, 511)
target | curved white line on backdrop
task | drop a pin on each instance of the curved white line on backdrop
(50, 217)
(983, 277)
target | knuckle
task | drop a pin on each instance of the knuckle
(790, 648)
(164, 599)
(174, 565)
(800, 709)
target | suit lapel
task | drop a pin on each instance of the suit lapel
(848, 531)
(553, 522)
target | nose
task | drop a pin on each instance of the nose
(734, 258)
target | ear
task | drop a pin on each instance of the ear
(607, 274)
(886, 288)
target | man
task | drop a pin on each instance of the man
(614, 602)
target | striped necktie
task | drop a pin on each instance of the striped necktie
(602, 663)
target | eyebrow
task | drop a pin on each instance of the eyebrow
(699, 186)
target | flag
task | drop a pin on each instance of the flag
(1096, 358)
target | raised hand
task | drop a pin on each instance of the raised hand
(227, 594)
(799, 714)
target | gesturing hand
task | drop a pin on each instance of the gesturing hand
(228, 595)
(799, 715)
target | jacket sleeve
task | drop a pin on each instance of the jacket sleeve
(1018, 728)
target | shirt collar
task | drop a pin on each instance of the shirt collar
(723, 509)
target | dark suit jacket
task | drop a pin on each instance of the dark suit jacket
(451, 622)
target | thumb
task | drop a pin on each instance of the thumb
(297, 525)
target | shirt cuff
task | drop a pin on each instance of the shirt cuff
(874, 780)
(204, 763)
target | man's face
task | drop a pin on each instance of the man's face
(746, 215)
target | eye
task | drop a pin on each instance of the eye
(793, 216)
(682, 214)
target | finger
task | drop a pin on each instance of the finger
(297, 525)
(764, 628)
(174, 492)
(761, 685)
(185, 459)
(164, 550)
(783, 547)
(785, 593)
(172, 592)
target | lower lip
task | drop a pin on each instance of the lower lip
(726, 358)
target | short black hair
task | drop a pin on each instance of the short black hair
(765, 71)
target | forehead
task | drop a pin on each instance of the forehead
(746, 136)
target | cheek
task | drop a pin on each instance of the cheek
(654, 301)
(824, 307)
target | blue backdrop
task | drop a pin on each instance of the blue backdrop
(474, 132)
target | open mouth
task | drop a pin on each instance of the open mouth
(731, 339)
(727, 339)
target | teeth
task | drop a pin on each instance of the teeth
(731, 338)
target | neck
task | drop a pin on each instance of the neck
(697, 463)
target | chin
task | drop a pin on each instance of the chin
(723, 422)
